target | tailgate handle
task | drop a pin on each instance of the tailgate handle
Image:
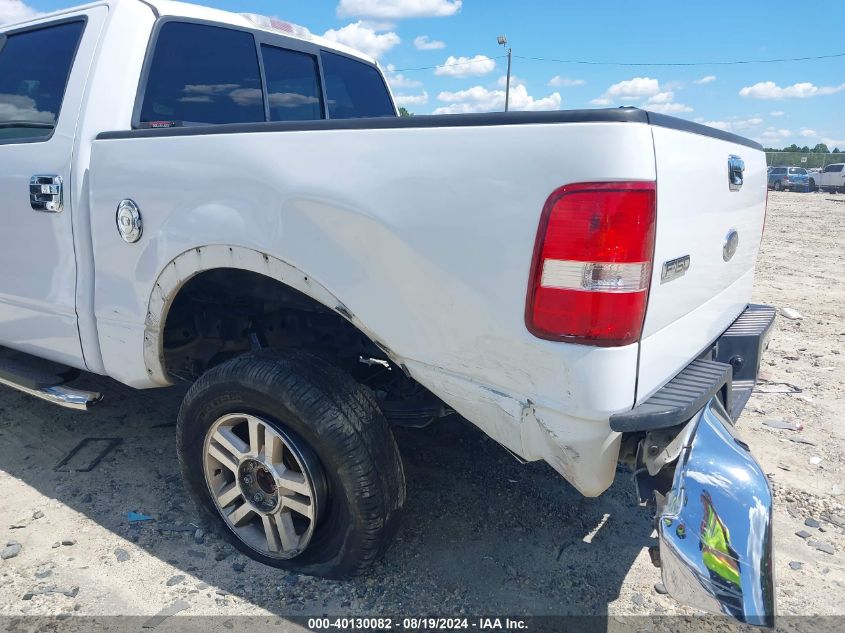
(736, 167)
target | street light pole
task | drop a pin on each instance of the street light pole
(503, 41)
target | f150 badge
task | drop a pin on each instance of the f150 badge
(674, 268)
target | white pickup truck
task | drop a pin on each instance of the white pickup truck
(228, 200)
(831, 178)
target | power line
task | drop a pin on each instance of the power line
(727, 63)
(595, 63)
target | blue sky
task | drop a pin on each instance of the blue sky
(777, 104)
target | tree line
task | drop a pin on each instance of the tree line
(820, 148)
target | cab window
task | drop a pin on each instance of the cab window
(202, 74)
(354, 89)
(293, 84)
(34, 70)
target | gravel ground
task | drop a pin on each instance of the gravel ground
(480, 534)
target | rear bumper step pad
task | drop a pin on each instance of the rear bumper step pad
(733, 371)
(678, 400)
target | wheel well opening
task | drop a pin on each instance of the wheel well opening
(223, 313)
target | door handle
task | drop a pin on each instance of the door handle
(736, 167)
(46, 193)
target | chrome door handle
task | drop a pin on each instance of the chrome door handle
(736, 167)
(46, 193)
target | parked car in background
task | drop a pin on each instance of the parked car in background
(793, 178)
(831, 178)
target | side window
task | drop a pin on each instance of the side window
(202, 74)
(34, 69)
(354, 89)
(836, 168)
(293, 85)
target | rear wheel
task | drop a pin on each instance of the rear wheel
(293, 461)
(813, 185)
(778, 186)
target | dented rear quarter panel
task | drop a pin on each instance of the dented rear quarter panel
(425, 236)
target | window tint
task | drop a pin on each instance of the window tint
(797, 170)
(836, 167)
(293, 86)
(34, 68)
(202, 74)
(354, 89)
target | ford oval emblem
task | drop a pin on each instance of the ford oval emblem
(730, 245)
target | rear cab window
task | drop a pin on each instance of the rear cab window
(797, 170)
(354, 89)
(208, 74)
(34, 68)
(293, 84)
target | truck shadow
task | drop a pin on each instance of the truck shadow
(482, 534)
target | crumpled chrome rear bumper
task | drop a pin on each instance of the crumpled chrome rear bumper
(715, 524)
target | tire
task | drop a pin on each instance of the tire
(335, 429)
(813, 185)
(778, 186)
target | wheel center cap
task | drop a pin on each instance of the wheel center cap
(258, 485)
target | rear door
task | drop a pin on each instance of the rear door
(43, 69)
(707, 239)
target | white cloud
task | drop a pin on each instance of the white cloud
(398, 80)
(21, 108)
(424, 43)
(466, 66)
(501, 81)
(808, 133)
(662, 97)
(803, 90)
(648, 91)
(705, 80)
(831, 143)
(633, 89)
(15, 11)
(667, 108)
(564, 82)
(364, 37)
(406, 100)
(773, 136)
(733, 124)
(777, 113)
(480, 99)
(397, 9)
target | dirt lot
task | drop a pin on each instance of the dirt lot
(481, 532)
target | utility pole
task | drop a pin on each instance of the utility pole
(503, 41)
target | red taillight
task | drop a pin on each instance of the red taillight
(592, 264)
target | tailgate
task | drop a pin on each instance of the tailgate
(693, 301)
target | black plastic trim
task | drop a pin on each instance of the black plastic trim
(737, 354)
(678, 400)
(383, 123)
(614, 115)
(674, 123)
